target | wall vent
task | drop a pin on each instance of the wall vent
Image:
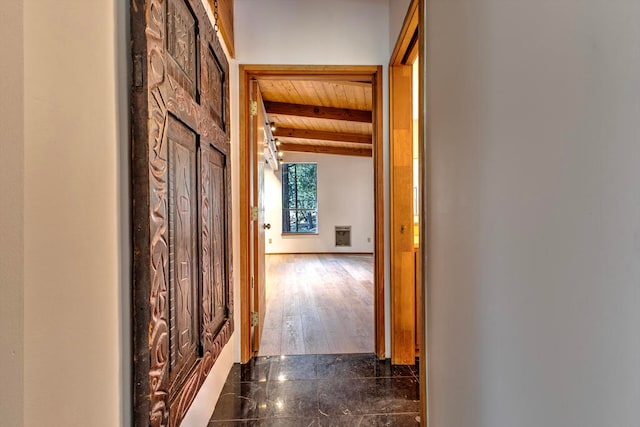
(343, 235)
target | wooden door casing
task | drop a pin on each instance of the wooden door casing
(257, 241)
(360, 73)
(402, 251)
(181, 206)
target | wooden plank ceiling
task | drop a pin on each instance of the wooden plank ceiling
(320, 116)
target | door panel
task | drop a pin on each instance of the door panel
(219, 227)
(183, 256)
(214, 251)
(402, 250)
(257, 162)
(182, 292)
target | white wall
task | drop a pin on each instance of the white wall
(397, 12)
(331, 32)
(345, 197)
(76, 222)
(204, 404)
(11, 214)
(73, 227)
(534, 249)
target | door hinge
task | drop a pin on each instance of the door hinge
(138, 71)
(253, 108)
(255, 319)
(254, 213)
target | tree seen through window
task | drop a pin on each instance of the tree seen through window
(299, 198)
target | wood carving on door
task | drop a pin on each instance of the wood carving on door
(182, 291)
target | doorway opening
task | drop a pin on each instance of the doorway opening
(274, 136)
(319, 275)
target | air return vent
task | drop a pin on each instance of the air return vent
(343, 235)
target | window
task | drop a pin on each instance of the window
(299, 198)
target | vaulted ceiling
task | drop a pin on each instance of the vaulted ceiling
(320, 116)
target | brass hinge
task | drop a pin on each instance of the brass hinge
(255, 319)
(253, 108)
(254, 213)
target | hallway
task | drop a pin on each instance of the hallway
(318, 304)
(319, 390)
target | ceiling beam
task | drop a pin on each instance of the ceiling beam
(321, 135)
(317, 112)
(325, 149)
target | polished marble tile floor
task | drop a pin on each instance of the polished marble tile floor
(319, 390)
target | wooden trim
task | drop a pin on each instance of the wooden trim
(320, 135)
(353, 83)
(300, 76)
(402, 289)
(319, 253)
(359, 73)
(225, 22)
(317, 112)
(378, 184)
(425, 209)
(409, 27)
(326, 149)
(416, 18)
(245, 223)
(412, 53)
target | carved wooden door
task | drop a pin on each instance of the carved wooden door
(182, 292)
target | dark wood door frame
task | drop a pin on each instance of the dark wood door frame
(372, 74)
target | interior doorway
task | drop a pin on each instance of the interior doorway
(252, 128)
(320, 224)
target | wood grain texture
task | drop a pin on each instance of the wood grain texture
(326, 130)
(401, 185)
(320, 124)
(318, 112)
(311, 134)
(409, 27)
(227, 27)
(226, 23)
(325, 149)
(245, 233)
(378, 189)
(183, 310)
(355, 95)
(183, 274)
(319, 304)
(262, 132)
